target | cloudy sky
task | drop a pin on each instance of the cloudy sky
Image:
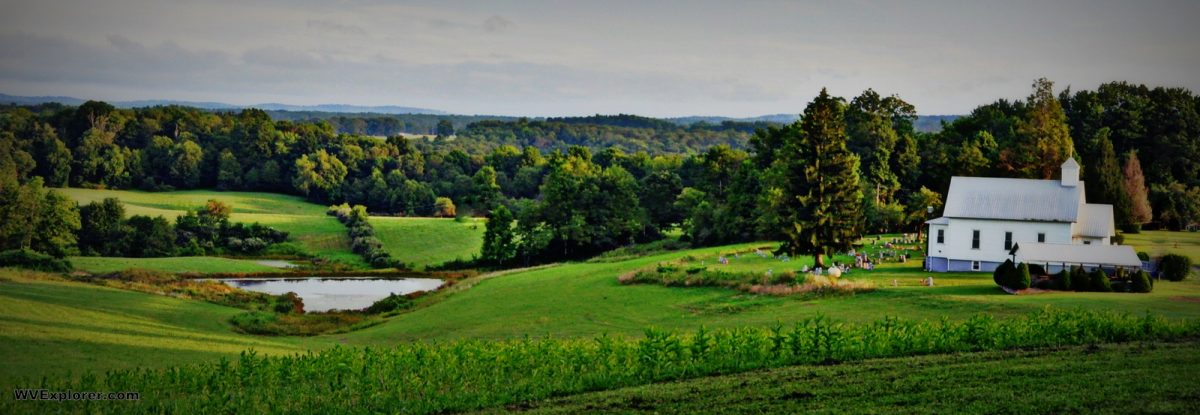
(534, 58)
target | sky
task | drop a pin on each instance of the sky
(554, 58)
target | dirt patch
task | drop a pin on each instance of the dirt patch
(1185, 299)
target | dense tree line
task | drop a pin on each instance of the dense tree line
(576, 186)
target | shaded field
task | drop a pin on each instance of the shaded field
(1112, 378)
(424, 242)
(171, 264)
(306, 222)
(53, 327)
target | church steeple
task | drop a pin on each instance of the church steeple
(1070, 173)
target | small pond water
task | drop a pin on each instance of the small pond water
(324, 294)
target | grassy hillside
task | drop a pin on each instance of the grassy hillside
(172, 264)
(49, 326)
(306, 222)
(1151, 378)
(580, 299)
(429, 241)
(1157, 243)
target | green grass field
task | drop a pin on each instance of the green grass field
(1137, 378)
(52, 327)
(1157, 243)
(581, 299)
(171, 264)
(306, 222)
(429, 241)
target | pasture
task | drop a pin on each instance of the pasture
(424, 242)
(306, 222)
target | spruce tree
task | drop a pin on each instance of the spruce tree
(1135, 187)
(1105, 182)
(815, 188)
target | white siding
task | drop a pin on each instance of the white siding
(936, 249)
(991, 238)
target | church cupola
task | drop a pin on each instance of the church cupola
(1070, 173)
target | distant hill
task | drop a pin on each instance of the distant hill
(924, 124)
(337, 108)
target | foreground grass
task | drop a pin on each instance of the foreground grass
(171, 264)
(457, 376)
(429, 241)
(306, 222)
(1112, 378)
(51, 327)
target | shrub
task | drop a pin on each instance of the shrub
(1142, 255)
(288, 303)
(255, 322)
(1140, 282)
(1079, 279)
(1021, 279)
(390, 303)
(30, 259)
(1174, 267)
(1001, 274)
(1098, 281)
(1131, 228)
(1035, 269)
(1062, 280)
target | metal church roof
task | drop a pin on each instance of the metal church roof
(1013, 199)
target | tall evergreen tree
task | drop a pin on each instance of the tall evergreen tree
(814, 183)
(1105, 183)
(1135, 188)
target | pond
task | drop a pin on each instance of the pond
(324, 294)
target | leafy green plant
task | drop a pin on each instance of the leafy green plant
(1099, 282)
(1141, 283)
(1174, 267)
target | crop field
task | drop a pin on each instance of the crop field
(429, 241)
(306, 222)
(465, 375)
(1119, 379)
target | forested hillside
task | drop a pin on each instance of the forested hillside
(577, 186)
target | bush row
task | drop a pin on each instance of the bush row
(783, 283)
(1018, 277)
(30, 259)
(465, 375)
(362, 236)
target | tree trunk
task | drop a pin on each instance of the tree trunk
(819, 260)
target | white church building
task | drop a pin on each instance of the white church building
(1049, 221)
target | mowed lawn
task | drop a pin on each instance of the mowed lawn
(1157, 243)
(306, 222)
(49, 326)
(429, 241)
(585, 299)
